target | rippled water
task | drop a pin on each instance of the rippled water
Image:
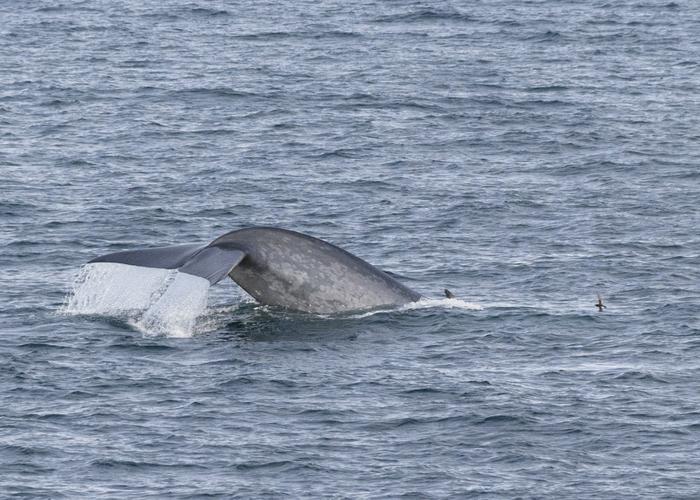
(526, 155)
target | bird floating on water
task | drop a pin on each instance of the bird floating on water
(600, 304)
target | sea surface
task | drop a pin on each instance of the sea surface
(527, 155)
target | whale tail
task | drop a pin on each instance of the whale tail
(212, 263)
(276, 267)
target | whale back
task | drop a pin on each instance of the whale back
(297, 271)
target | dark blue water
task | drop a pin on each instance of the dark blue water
(526, 155)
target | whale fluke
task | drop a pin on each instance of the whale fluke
(170, 257)
(212, 263)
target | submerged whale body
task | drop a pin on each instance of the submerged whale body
(281, 268)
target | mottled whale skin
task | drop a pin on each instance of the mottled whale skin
(293, 270)
(283, 268)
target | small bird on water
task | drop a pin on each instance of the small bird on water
(600, 304)
(449, 294)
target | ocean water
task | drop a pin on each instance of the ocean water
(527, 155)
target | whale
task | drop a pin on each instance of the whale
(280, 267)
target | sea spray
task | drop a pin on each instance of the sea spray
(156, 301)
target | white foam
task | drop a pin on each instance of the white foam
(155, 301)
(426, 303)
(443, 303)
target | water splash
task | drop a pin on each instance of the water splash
(114, 289)
(154, 301)
(176, 311)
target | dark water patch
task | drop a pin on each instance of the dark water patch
(61, 8)
(338, 153)
(279, 466)
(142, 347)
(547, 88)
(78, 162)
(219, 93)
(434, 393)
(208, 12)
(80, 395)
(29, 470)
(300, 35)
(543, 103)
(43, 346)
(546, 37)
(498, 420)
(162, 16)
(237, 381)
(51, 417)
(16, 208)
(425, 15)
(59, 103)
(135, 63)
(22, 451)
(479, 382)
(140, 465)
(269, 35)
